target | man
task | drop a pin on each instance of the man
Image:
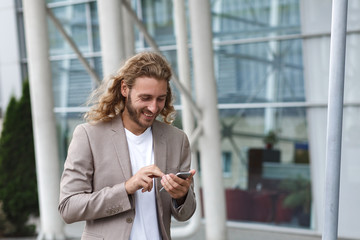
(118, 161)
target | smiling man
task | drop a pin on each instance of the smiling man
(120, 159)
(149, 97)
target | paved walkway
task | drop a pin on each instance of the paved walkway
(73, 231)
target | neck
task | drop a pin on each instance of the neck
(131, 125)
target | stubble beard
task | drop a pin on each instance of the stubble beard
(134, 115)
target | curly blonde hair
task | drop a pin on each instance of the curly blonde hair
(108, 102)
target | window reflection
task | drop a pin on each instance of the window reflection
(270, 173)
(71, 82)
(77, 22)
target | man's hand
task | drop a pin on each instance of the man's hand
(175, 186)
(143, 179)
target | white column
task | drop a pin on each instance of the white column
(111, 35)
(186, 113)
(46, 148)
(129, 37)
(10, 67)
(335, 118)
(182, 52)
(316, 55)
(316, 77)
(270, 113)
(206, 95)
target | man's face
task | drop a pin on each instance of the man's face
(143, 103)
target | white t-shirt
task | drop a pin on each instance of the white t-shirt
(145, 226)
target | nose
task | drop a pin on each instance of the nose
(153, 107)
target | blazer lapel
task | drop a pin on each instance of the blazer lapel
(159, 146)
(121, 146)
(160, 161)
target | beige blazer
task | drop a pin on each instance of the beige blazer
(92, 186)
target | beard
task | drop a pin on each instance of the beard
(134, 114)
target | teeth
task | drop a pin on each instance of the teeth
(148, 115)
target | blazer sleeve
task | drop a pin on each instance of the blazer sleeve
(187, 209)
(78, 200)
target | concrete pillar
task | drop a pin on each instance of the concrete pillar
(10, 67)
(209, 143)
(186, 113)
(129, 37)
(111, 35)
(183, 62)
(42, 104)
(335, 118)
(273, 71)
(316, 55)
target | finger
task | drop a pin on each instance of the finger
(176, 193)
(175, 183)
(190, 178)
(165, 181)
(192, 171)
(147, 187)
(153, 171)
(149, 183)
(150, 186)
(166, 184)
(173, 191)
(179, 182)
(175, 178)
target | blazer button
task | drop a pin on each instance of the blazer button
(129, 220)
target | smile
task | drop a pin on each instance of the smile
(148, 115)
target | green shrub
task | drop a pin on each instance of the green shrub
(18, 185)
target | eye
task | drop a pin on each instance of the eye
(145, 98)
(162, 99)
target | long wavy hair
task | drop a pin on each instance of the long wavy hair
(107, 102)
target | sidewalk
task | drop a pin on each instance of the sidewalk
(73, 232)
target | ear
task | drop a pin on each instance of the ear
(124, 89)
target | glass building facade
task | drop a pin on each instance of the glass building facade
(260, 87)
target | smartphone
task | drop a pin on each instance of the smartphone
(183, 175)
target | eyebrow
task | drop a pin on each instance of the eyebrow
(149, 95)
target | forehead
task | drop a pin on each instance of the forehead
(149, 85)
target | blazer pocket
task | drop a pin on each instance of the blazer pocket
(90, 236)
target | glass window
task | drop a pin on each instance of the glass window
(71, 83)
(264, 150)
(158, 19)
(95, 27)
(57, 1)
(239, 19)
(227, 161)
(73, 19)
(260, 72)
(268, 169)
(65, 125)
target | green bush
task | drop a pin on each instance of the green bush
(18, 185)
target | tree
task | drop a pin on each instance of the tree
(18, 185)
